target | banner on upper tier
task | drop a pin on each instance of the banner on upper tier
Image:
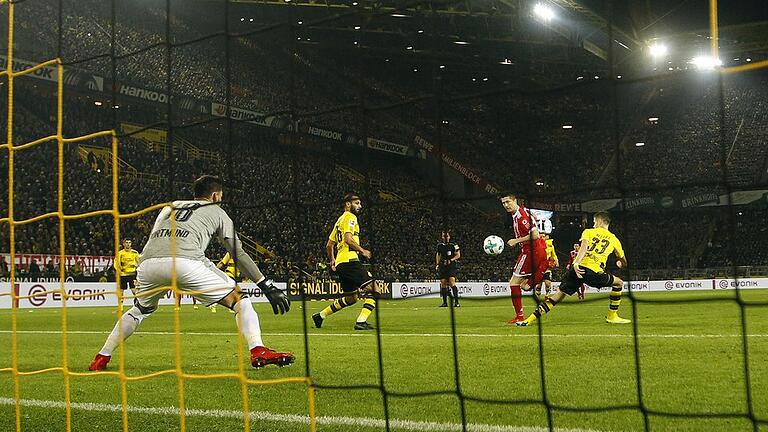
(240, 114)
(72, 77)
(387, 146)
(428, 147)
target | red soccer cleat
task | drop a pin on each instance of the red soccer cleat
(515, 320)
(99, 363)
(262, 356)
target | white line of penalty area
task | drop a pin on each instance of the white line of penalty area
(356, 422)
(371, 334)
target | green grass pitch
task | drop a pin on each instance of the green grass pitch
(691, 360)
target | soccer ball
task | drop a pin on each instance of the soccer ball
(493, 245)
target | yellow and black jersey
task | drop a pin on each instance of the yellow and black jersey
(347, 223)
(126, 261)
(600, 244)
(229, 266)
(551, 254)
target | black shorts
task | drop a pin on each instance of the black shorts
(128, 281)
(447, 271)
(353, 276)
(547, 276)
(571, 282)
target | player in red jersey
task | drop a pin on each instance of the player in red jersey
(575, 252)
(532, 261)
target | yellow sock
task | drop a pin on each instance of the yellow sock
(337, 306)
(544, 307)
(615, 301)
(368, 307)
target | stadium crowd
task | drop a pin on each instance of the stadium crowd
(286, 197)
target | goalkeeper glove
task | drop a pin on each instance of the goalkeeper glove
(277, 298)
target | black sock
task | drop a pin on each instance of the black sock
(444, 295)
(455, 292)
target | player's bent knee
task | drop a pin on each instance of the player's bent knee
(143, 310)
(140, 313)
(231, 299)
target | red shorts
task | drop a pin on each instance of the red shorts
(524, 267)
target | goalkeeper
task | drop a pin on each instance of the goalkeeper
(194, 223)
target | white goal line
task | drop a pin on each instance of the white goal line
(355, 422)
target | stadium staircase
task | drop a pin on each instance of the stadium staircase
(100, 159)
(627, 141)
(156, 141)
(743, 153)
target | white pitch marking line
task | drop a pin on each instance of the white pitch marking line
(410, 425)
(472, 335)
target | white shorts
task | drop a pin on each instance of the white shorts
(200, 279)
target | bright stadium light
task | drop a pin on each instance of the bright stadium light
(461, 42)
(706, 62)
(658, 50)
(357, 27)
(639, 144)
(539, 183)
(567, 126)
(97, 103)
(544, 12)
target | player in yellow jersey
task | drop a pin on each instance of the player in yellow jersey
(126, 261)
(344, 251)
(589, 268)
(227, 263)
(552, 262)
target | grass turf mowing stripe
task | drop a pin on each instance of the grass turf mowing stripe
(358, 334)
(285, 418)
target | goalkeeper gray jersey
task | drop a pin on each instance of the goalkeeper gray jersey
(195, 223)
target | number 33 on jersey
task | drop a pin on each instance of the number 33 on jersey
(600, 244)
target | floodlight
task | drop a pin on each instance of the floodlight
(706, 62)
(658, 50)
(543, 11)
